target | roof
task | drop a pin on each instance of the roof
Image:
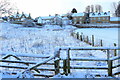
(19, 15)
(65, 18)
(64, 15)
(15, 15)
(114, 18)
(47, 17)
(101, 14)
(78, 14)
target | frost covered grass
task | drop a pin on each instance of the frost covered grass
(35, 40)
(98, 25)
(43, 41)
(109, 36)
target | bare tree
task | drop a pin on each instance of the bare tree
(99, 8)
(96, 8)
(117, 12)
(87, 9)
(92, 8)
(116, 9)
(114, 5)
(6, 7)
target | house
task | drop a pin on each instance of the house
(78, 18)
(115, 20)
(47, 19)
(1, 20)
(57, 20)
(19, 17)
(65, 21)
(39, 20)
(102, 17)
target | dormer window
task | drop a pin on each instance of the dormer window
(93, 13)
(99, 13)
(105, 13)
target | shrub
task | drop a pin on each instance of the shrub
(28, 23)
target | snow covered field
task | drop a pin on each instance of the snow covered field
(15, 38)
(108, 35)
(99, 25)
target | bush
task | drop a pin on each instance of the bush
(28, 23)
(16, 22)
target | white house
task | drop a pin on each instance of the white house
(57, 20)
(65, 21)
(39, 20)
(47, 19)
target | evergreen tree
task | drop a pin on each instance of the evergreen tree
(74, 10)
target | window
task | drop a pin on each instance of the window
(107, 18)
(103, 18)
(98, 18)
(80, 22)
(74, 19)
(80, 18)
(93, 14)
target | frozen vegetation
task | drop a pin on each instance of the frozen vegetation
(43, 41)
(109, 36)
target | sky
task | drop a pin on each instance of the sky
(50, 7)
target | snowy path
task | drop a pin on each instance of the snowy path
(15, 38)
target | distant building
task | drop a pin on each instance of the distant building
(64, 15)
(65, 21)
(102, 17)
(57, 20)
(47, 19)
(78, 18)
(115, 20)
(19, 17)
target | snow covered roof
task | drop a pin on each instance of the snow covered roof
(58, 16)
(114, 18)
(27, 15)
(15, 15)
(101, 14)
(78, 14)
(19, 15)
(47, 17)
(65, 18)
(64, 15)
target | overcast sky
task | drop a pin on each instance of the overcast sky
(46, 7)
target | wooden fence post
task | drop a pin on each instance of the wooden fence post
(68, 60)
(92, 40)
(108, 54)
(87, 40)
(109, 67)
(81, 37)
(115, 52)
(65, 67)
(56, 63)
(77, 35)
(101, 43)
(109, 63)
